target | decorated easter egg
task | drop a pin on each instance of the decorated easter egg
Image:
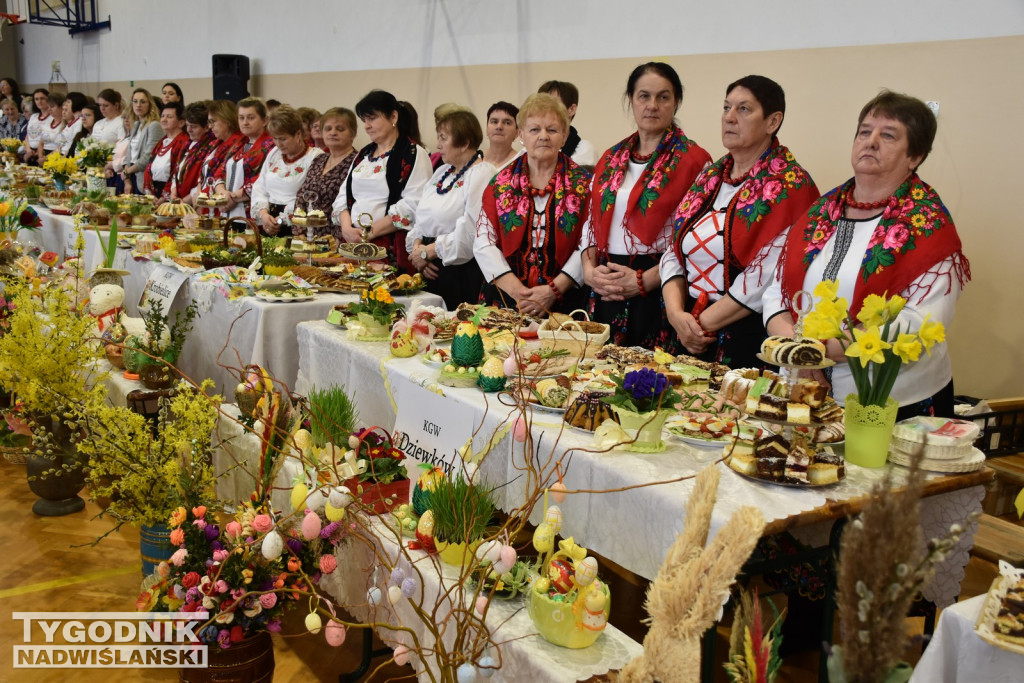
(489, 552)
(273, 545)
(486, 666)
(425, 532)
(519, 429)
(542, 585)
(553, 517)
(506, 560)
(558, 492)
(560, 573)
(374, 596)
(424, 488)
(596, 599)
(333, 514)
(311, 526)
(466, 673)
(408, 587)
(481, 604)
(303, 440)
(492, 375)
(510, 366)
(394, 594)
(467, 345)
(397, 575)
(404, 345)
(544, 538)
(401, 655)
(132, 356)
(298, 497)
(313, 622)
(334, 633)
(586, 571)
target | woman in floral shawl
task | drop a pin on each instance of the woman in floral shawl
(533, 213)
(637, 186)
(884, 231)
(730, 229)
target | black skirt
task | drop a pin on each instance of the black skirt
(640, 321)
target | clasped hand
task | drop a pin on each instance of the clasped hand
(614, 282)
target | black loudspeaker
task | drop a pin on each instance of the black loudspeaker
(230, 77)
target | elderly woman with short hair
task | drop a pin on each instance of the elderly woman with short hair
(273, 193)
(387, 178)
(883, 232)
(440, 243)
(533, 214)
(328, 171)
(11, 123)
(245, 160)
(730, 228)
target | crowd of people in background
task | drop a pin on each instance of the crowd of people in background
(653, 237)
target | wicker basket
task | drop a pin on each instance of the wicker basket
(14, 454)
(569, 335)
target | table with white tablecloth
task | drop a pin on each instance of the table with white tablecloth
(636, 522)
(247, 330)
(956, 654)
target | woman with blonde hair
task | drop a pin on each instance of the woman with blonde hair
(223, 120)
(143, 135)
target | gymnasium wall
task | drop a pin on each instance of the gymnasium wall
(830, 58)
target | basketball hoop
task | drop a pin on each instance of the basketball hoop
(9, 20)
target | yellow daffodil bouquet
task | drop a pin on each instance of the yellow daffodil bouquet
(11, 145)
(876, 345)
(60, 166)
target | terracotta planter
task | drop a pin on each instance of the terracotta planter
(157, 375)
(248, 661)
(380, 498)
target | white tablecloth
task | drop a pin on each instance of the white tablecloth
(524, 655)
(264, 333)
(956, 653)
(634, 527)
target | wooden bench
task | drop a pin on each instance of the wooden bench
(1008, 482)
(998, 539)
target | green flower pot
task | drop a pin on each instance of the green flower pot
(868, 431)
(646, 427)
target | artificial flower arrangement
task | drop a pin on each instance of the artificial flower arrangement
(244, 573)
(15, 216)
(878, 347)
(60, 166)
(147, 472)
(95, 153)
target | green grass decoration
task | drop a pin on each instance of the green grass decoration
(333, 416)
(461, 510)
(109, 246)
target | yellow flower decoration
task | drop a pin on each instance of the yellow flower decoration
(790, 176)
(917, 193)
(918, 221)
(821, 326)
(868, 347)
(907, 347)
(931, 333)
(827, 290)
(4, 208)
(873, 311)
(896, 305)
(178, 517)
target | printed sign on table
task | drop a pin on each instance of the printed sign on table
(432, 429)
(162, 286)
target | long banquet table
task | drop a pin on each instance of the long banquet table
(263, 332)
(634, 522)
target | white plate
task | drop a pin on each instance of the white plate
(969, 463)
(262, 296)
(435, 363)
(695, 441)
(546, 409)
